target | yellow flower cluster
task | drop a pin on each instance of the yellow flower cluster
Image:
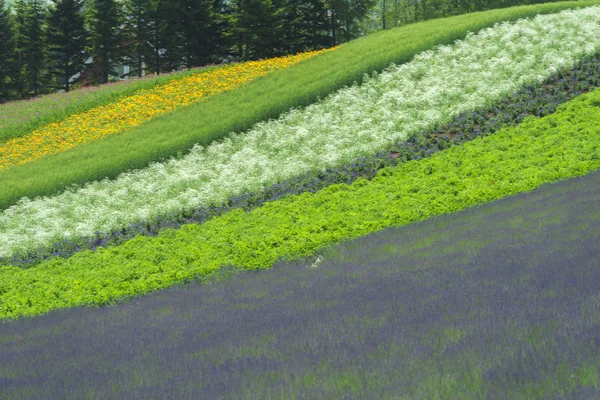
(132, 111)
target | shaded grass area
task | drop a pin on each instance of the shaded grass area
(515, 160)
(17, 118)
(532, 100)
(498, 301)
(259, 100)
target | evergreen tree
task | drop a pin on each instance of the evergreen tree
(221, 38)
(139, 17)
(334, 6)
(304, 25)
(169, 32)
(66, 39)
(268, 37)
(314, 25)
(258, 26)
(354, 12)
(239, 28)
(155, 40)
(195, 20)
(32, 78)
(293, 37)
(106, 37)
(346, 17)
(19, 82)
(189, 30)
(7, 53)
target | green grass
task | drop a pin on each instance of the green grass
(18, 118)
(264, 98)
(513, 160)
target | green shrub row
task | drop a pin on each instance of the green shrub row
(515, 159)
(259, 100)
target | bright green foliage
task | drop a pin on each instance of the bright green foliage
(513, 160)
(259, 100)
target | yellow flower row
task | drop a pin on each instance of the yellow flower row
(132, 111)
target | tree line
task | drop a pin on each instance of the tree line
(49, 46)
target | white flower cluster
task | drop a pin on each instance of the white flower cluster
(433, 88)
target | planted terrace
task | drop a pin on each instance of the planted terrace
(491, 294)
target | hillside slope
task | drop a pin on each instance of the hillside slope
(401, 103)
(213, 120)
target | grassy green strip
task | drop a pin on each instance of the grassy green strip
(514, 160)
(259, 100)
(18, 118)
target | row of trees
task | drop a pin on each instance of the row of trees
(44, 46)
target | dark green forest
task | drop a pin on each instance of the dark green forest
(47, 46)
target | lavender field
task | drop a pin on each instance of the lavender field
(499, 301)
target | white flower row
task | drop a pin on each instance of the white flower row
(433, 88)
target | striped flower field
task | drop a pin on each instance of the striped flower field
(496, 302)
(353, 122)
(134, 110)
(509, 105)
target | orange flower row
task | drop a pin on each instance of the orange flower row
(132, 111)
